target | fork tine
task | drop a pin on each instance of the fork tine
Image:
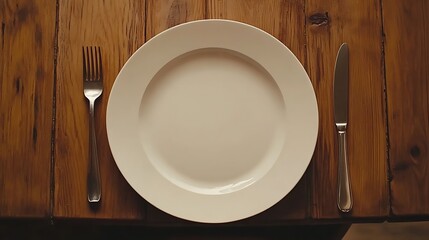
(97, 64)
(100, 67)
(84, 63)
(88, 64)
(93, 72)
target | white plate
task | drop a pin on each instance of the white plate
(212, 121)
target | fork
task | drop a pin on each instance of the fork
(92, 89)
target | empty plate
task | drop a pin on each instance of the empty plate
(212, 121)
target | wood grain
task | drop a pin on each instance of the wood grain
(118, 28)
(406, 28)
(330, 23)
(285, 20)
(26, 72)
(265, 15)
(164, 14)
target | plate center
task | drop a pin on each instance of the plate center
(212, 121)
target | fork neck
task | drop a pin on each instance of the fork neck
(91, 107)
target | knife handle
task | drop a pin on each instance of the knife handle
(345, 200)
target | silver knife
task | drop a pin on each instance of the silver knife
(341, 100)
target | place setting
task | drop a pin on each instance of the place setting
(210, 128)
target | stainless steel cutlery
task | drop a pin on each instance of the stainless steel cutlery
(341, 90)
(92, 89)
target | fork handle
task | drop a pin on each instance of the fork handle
(94, 182)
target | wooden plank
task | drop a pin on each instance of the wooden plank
(27, 77)
(285, 20)
(161, 15)
(118, 28)
(329, 23)
(407, 55)
(265, 15)
(164, 14)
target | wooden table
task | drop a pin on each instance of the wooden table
(44, 115)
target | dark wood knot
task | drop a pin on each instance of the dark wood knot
(415, 151)
(319, 19)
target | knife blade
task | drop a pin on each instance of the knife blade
(341, 91)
